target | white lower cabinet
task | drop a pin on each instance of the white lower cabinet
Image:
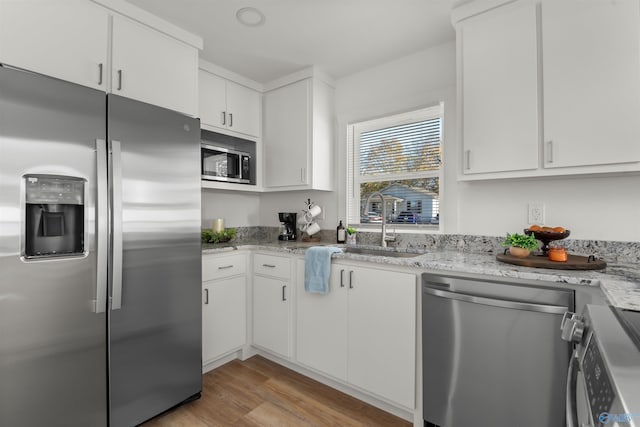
(272, 304)
(362, 331)
(224, 302)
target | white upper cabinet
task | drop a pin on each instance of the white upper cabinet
(591, 80)
(63, 39)
(69, 40)
(499, 80)
(548, 87)
(298, 123)
(154, 68)
(227, 105)
(244, 108)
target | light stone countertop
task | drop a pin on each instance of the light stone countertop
(619, 282)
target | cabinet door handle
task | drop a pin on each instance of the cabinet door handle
(230, 120)
(100, 67)
(550, 151)
(224, 118)
(342, 278)
(269, 265)
(284, 297)
(224, 267)
(467, 159)
(351, 279)
(206, 296)
(119, 79)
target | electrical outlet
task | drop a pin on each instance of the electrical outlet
(536, 213)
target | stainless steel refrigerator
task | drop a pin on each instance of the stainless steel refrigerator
(100, 259)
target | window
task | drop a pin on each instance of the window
(399, 157)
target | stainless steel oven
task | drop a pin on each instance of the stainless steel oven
(223, 164)
(603, 381)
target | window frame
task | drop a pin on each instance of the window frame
(353, 166)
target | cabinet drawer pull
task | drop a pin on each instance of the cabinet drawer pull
(549, 151)
(224, 267)
(224, 118)
(351, 279)
(206, 296)
(467, 159)
(342, 278)
(269, 265)
(284, 298)
(100, 67)
(230, 120)
(119, 79)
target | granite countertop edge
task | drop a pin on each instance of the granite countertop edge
(619, 282)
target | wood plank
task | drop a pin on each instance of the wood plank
(258, 392)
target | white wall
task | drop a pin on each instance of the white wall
(594, 208)
(295, 201)
(601, 207)
(406, 84)
(238, 209)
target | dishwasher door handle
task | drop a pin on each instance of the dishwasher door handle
(516, 305)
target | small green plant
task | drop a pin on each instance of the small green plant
(521, 241)
(351, 230)
(210, 236)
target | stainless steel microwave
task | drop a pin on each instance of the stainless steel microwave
(223, 164)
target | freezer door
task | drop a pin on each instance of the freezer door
(52, 335)
(155, 323)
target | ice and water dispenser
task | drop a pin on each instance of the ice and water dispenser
(54, 216)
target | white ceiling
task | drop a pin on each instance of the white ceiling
(339, 36)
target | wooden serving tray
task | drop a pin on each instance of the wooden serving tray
(574, 262)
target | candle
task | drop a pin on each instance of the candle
(218, 225)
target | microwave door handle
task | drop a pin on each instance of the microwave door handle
(102, 231)
(115, 156)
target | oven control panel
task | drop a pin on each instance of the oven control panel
(598, 384)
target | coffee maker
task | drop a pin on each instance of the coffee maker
(288, 228)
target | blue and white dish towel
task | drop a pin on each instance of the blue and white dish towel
(317, 268)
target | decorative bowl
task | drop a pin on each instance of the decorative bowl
(547, 236)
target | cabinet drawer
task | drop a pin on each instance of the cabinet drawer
(272, 266)
(217, 267)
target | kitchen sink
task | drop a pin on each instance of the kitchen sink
(379, 252)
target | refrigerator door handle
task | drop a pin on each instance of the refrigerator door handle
(102, 212)
(115, 156)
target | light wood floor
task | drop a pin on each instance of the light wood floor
(258, 392)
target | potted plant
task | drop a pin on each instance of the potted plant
(351, 236)
(520, 245)
(210, 236)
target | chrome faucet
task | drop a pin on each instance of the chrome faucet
(384, 238)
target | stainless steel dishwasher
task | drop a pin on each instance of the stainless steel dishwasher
(492, 352)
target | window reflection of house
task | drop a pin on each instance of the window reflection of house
(376, 206)
(400, 198)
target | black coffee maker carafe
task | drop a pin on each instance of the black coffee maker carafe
(288, 229)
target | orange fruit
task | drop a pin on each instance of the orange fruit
(559, 229)
(547, 229)
(535, 228)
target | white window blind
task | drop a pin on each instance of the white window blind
(399, 156)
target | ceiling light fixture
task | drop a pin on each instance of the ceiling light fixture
(250, 16)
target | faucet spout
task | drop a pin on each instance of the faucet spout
(383, 237)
